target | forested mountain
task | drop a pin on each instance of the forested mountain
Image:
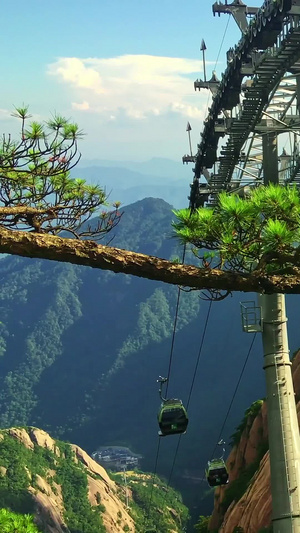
(81, 350)
(65, 491)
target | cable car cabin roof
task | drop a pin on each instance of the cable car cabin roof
(173, 402)
(172, 418)
(216, 463)
(172, 408)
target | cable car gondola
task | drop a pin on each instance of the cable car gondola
(217, 473)
(172, 416)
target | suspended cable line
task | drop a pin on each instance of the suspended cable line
(175, 326)
(189, 396)
(219, 439)
(191, 390)
(192, 384)
(167, 382)
(219, 52)
(199, 353)
(234, 393)
(172, 348)
(222, 42)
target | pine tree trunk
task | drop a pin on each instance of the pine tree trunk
(89, 253)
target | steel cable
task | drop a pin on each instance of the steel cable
(189, 396)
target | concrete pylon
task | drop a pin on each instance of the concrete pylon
(283, 429)
(284, 440)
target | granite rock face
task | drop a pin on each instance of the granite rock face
(49, 505)
(253, 510)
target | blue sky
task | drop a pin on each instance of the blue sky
(123, 69)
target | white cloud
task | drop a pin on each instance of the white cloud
(74, 71)
(187, 110)
(139, 86)
(84, 106)
(5, 114)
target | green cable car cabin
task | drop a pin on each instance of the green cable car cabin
(216, 473)
(172, 418)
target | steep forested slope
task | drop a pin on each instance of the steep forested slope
(81, 349)
(68, 492)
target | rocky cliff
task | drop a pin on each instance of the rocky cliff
(47, 492)
(67, 490)
(246, 501)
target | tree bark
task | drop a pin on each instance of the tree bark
(89, 253)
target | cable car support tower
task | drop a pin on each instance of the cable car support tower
(255, 102)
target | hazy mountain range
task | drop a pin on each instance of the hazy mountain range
(129, 181)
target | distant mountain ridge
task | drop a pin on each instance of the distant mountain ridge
(129, 182)
(156, 166)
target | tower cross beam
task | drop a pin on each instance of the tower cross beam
(238, 10)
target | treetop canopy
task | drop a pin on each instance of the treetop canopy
(37, 192)
(258, 234)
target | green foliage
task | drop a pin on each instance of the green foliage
(80, 516)
(64, 327)
(154, 324)
(151, 503)
(155, 321)
(15, 457)
(202, 524)
(22, 466)
(40, 346)
(37, 190)
(16, 523)
(248, 418)
(43, 339)
(257, 233)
